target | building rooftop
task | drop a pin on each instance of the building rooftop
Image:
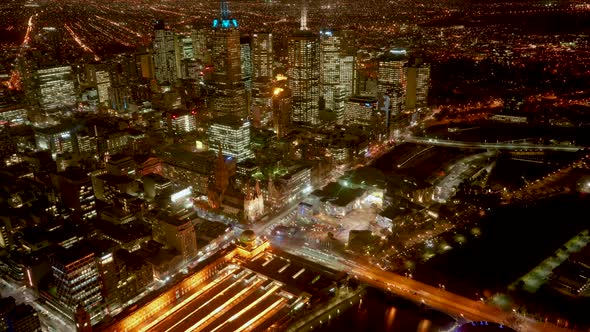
(115, 179)
(338, 194)
(157, 178)
(211, 229)
(79, 251)
(362, 99)
(229, 120)
(297, 274)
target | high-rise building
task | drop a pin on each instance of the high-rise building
(179, 234)
(186, 47)
(18, 318)
(119, 98)
(246, 61)
(304, 75)
(347, 73)
(145, 63)
(200, 49)
(185, 57)
(76, 192)
(5, 232)
(232, 135)
(336, 70)
(391, 83)
(165, 54)
(230, 93)
(98, 76)
(56, 139)
(262, 55)
(77, 280)
(281, 111)
(418, 84)
(181, 121)
(54, 88)
(360, 110)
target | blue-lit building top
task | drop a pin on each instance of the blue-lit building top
(225, 21)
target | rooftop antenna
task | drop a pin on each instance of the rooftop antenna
(304, 16)
(224, 9)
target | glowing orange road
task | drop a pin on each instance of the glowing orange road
(79, 42)
(120, 26)
(27, 39)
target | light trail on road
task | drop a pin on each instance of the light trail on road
(30, 27)
(79, 42)
(120, 26)
(499, 145)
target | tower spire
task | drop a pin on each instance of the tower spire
(224, 9)
(304, 15)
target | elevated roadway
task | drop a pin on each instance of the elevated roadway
(419, 292)
(493, 146)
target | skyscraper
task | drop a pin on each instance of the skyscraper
(200, 50)
(165, 54)
(281, 111)
(180, 235)
(230, 94)
(232, 135)
(246, 61)
(262, 55)
(418, 84)
(391, 83)
(304, 75)
(54, 88)
(98, 76)
(77, 280)
(76, 193)
(330, 73)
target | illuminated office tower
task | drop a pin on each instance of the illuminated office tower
(347, 74)
(77, 281)
(56, 139)
(262, 56)
(281, 111)
(145, 63)
(120, 97)
(186, 47)
(360, 110)
(304, 75)
(246, 61)
(76, 193)
(5, 232)
(261, 113)
(418, 84)
(230, 94)
(232, 135)
(200, 50)
(183, 54)
(165, 54)
(181, 122)
(99, 77)
(391, 82)
(54, 88)
(331, 88)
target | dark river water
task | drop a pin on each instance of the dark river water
(381, 312)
